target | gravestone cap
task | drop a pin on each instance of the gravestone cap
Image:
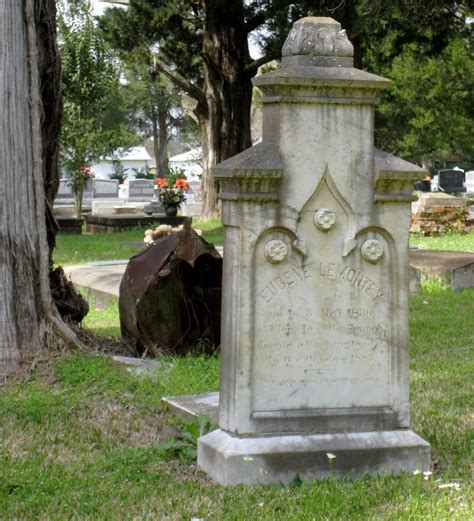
(317, 41)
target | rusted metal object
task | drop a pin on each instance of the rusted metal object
(170, 296)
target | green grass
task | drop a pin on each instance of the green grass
(446, 242)
(80, 439)
(79, 249)
(105, 322)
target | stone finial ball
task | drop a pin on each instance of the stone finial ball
(317, 36)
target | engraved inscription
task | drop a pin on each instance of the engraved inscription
(323, 334)
(283, 280)
(328, 270)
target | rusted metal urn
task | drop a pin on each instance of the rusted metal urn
(170, 296)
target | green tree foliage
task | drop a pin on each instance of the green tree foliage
(204, 50)
(426, 50)
(429, 110)
(94, 124)
(153, 102)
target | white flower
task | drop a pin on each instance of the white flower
(330, 455)
(416, 472)
(427, 474)
(247, 458)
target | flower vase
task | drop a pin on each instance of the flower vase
(171, 211)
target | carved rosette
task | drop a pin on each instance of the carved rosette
(276, 251)
(372, 251)
(324, 219)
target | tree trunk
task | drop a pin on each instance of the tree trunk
(78, 196)
(159, 120)
(25, 298)
(225, 126)
(20, 309)
(162, 164)
(156, 145)
(52, 101)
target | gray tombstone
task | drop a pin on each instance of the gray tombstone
(451, 181)
(88, 194)
(140, 190)
(66, 196)
(64, 192)
(105, 188)
(314, 376)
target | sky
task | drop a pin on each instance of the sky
(98, 7)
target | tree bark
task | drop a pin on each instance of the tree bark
(159, 122)
(225, 125)
(162, 160)
(223, 104)
(156, 146)
(25, 297)
(52, 101)
(20, 309)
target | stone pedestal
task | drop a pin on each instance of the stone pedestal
(232, 460)
(315, 290)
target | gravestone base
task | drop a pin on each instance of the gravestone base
(70, 225)
(232, 460)
(119, 223)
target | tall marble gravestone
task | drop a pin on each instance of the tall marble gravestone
(315, 286)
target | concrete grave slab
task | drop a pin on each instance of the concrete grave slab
(454, 269)
(191, 406)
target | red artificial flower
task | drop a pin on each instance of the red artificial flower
(160, 182)
(181, 184)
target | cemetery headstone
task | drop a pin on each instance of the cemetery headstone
(451, 181)
(105, 188)
(470, 182)
(315, 281)
(140, 190)
(64, 191)
(88, 194)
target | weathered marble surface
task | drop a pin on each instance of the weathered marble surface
(315, 289)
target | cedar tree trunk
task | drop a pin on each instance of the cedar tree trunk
(27, 57)
(225, 124)
(162, 160)
(159, 119)
(20, 297)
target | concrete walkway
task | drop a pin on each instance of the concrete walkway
(99, 280)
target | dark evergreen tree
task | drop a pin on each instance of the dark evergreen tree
(204, 50)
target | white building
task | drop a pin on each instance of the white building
(190, 162)
(132, 160)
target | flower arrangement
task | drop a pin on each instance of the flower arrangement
(172, 196)
(86, 173)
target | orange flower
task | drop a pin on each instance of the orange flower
(181, 184)
(162, 183)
